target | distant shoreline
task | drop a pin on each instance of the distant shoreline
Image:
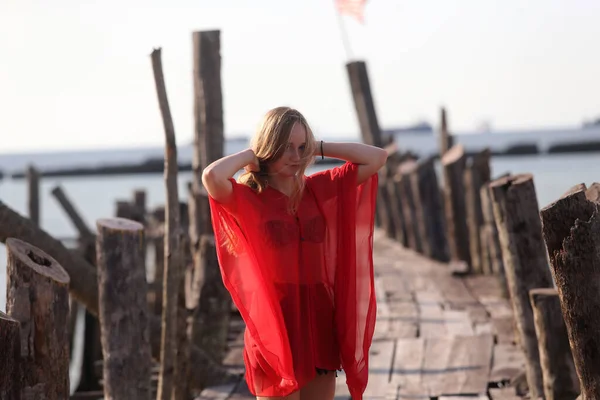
(156, 165)
(152, 166)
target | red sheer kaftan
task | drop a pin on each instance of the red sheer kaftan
(303, 283)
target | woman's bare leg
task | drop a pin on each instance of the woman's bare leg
(293, 396)
(322, 387)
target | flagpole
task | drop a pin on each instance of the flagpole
(344, 34)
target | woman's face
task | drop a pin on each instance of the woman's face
(293, 156)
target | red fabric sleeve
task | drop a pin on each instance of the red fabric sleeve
(251, 290)
(349, 210)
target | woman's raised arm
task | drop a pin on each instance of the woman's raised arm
(369, 158)
(216, 175)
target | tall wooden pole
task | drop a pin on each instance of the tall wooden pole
(370, 131)
(363, 103)
(173, 268)
(208, 98)
(209, 141)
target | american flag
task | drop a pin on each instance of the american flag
(354, 8)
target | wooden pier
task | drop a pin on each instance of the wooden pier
(438, 335)
(467, 306)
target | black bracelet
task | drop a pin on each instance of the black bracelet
(322, 156)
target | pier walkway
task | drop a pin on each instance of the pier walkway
(439, 335)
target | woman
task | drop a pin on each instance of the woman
(295, 253)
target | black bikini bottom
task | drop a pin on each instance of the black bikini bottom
(322, 371)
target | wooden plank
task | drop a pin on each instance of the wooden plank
(406, 372)
(505, 393)
(380, 365)
(382, 325)
(458, 322)
(504, 329)
(457, 318)
(431, 317)
(395, 285)
(217, 392)
(483, 327)
(458, 297)
(508, 362)
(484, 285)
(497, 307)
(435, 361)
(404, 321)
(469, 365)
(454, 290)
(501, 314)
(457, 365)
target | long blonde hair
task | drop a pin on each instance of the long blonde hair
(269, 143)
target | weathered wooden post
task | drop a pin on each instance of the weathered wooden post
(476, 174)
(593, 192)
(445, 138)
(209, 141)
(363, 103)
(38, 297)
(209, 145)
(425, 187)
(123, 309)
(571, 229)
(10, 349)
(558, 369)
(215, 304)
(516, 213)
(393, 189)
(385, 203)
(409, 205)
(87, 247)
(33, 201)
(139, 201)
(124, 209)
(367, 118)
(173, 251)
(82, 228)
(208, 99)
(453, 162)
(407, 171)
(82, 275)
(491, 241)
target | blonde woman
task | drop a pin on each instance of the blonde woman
(295, 254)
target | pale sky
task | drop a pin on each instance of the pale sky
(77, 73)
